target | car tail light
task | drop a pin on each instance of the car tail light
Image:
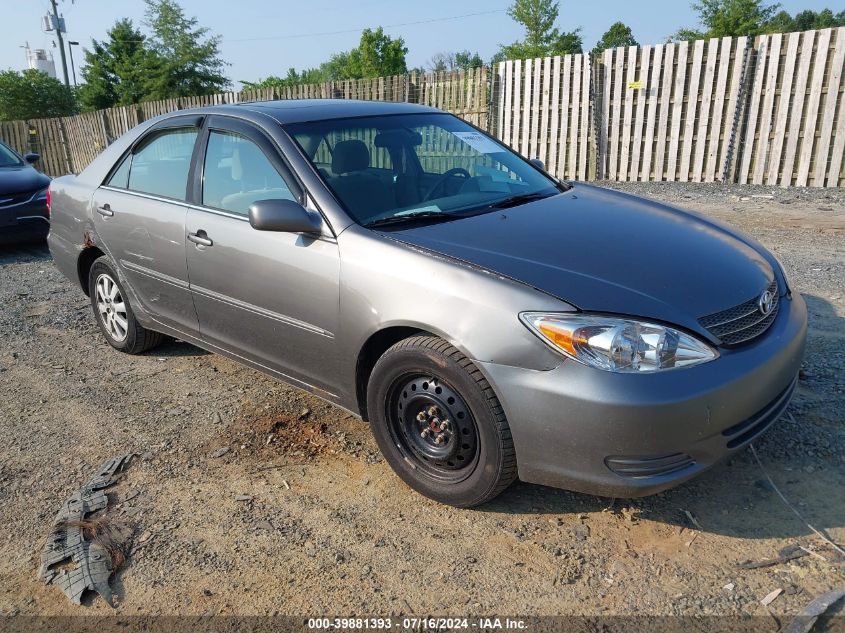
(48, 202)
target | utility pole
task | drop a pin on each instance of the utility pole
(61, 40)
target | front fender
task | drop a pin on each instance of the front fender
(385, 283)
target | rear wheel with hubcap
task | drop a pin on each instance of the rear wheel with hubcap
(113, 312)
(111, 307)
(439, 424)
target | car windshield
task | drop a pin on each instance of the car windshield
(8, 158)
(396, 169)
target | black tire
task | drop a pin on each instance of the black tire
(475, 460)
(131, 339)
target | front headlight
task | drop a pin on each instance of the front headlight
(617, 344)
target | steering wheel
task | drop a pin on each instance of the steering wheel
(455, 171)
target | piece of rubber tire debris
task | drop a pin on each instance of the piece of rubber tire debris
(806, 618)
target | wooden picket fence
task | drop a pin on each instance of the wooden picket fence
(465, 93)
(38, 135)
(795, 127)
(766, 110)
(771, 111)
(670, 111)
(544, 109)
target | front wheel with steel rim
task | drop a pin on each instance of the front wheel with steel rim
(113, 312)
(439, 424)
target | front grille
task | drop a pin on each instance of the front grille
(743, 322)
(742, 433)
(638, 467)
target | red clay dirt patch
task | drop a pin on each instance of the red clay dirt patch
(275, 431)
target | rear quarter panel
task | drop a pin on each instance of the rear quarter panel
(70, 223)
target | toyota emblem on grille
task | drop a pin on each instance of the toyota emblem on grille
(766, 302)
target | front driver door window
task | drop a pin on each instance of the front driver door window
(270, 297)
(237, 173)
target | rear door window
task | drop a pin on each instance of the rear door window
(120, 176)
(160, 165)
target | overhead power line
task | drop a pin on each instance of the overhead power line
(291, 36)
(358, 30)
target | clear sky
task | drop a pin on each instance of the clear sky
(264, 37)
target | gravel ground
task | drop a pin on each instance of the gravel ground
(249, 497)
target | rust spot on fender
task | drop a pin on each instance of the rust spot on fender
(88, 239)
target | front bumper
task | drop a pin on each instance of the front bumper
(24, 221)
(630, 435)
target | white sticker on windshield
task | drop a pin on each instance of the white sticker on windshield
(478, 142)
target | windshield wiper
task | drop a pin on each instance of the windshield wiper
(515, 201)
(410, 217)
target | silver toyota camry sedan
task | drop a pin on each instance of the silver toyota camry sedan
(489, 321)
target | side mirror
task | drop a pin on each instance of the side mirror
(31, 159)
(538, 164)
(285, 216)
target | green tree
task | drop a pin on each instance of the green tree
(542, 37)
(722, 18)
(377, 55)
(117, 70)
(32, 94)
(187, 59)
(464, 60)
(338, 67)
(293, 78)
(783, 22)
(460, 60)
(619, 34)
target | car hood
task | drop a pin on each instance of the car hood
(21, 179)
(606, 251)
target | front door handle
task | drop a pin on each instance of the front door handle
(201, 238)
(105, 210)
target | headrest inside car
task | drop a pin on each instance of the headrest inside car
(350, 156)
(392, 138)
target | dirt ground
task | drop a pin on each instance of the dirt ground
(302, 516)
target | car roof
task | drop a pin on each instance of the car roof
(302, 110)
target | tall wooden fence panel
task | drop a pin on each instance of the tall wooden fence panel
(15, 134)
(41, 136)
(794, 130)
(543, 110)
(52, 145)
(669, 111)
(120, 120)
(464, 93)
(86, 136)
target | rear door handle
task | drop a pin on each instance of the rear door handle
(105, 210)
(201, 238)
